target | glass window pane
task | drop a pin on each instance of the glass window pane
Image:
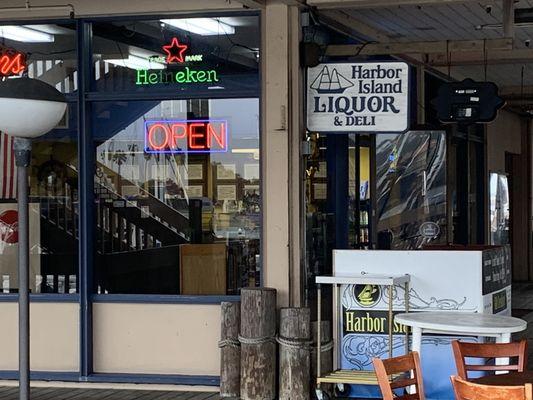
(49, 51)
(53, 179)
(177, 196)
(49, 54)
(184, 55)
(411, 189)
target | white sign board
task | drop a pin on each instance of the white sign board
(355, 97)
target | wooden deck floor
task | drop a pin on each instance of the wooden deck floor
(11, 393)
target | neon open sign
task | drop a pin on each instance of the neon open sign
(186, 136)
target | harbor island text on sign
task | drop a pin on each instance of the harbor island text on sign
(354, 97)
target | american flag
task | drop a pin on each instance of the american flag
(8, 178)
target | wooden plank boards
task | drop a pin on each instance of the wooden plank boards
(11, 393)
(349, 377)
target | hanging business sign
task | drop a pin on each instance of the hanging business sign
(358, 97)
(468, 102)
(12, 62)
(176, 56)
(186, 136)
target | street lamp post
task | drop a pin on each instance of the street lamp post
(28, 109)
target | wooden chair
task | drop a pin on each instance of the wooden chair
(405, 371)
(463, 350)
(465, 390)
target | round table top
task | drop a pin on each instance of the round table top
(462, 322)
(510, 379)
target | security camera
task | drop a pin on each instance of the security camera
(527, 42)
(488, 9)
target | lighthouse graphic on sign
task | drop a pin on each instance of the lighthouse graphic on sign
(330, 83)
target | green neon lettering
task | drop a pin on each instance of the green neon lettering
(141, 77)
(144, 77)
(180, 77)
(212, 76)
(152, 78)
(200, 76)
(168, 76)
(191, 75)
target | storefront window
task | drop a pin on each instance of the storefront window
(46, 52)
(177, 170)
(177, 196)
(177, 55)
(54, 197)
(53, 177)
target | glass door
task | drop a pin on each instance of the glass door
(337, 201)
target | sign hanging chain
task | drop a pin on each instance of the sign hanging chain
(485, 62)
(448, 57)
(522, 84)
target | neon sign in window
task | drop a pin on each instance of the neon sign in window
(186, 136)
(175, 51)
(179, 68)
(11, 62)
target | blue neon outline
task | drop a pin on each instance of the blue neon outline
(187, 121)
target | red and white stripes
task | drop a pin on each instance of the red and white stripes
(8, 178)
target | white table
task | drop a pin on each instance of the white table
(459, 323)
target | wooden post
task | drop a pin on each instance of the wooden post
(230, 349)
(294, 354)
(258, 343)
(326, 358)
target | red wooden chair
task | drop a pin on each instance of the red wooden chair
(463, 350)
(465, 390)
(397, 373)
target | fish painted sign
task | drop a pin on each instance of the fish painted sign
(358, 97)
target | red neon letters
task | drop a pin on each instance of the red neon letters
(195, 136)
(12, 63)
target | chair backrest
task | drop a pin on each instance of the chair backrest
(465, 390)
(463, 350)
(398, 373)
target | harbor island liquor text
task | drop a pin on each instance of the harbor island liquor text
(346, 97)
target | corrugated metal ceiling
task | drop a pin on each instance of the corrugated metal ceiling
(460, 21)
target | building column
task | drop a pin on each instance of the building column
(280, 157)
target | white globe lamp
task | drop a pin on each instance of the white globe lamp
(29, 108)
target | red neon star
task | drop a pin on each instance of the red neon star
(175, 51)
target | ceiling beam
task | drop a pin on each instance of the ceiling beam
(516, 92)
(515, 56)
(451, 46)
(351, 26)
(253, 4)
(324, 4)
(508, 18)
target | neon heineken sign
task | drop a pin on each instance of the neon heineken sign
(175, 54)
